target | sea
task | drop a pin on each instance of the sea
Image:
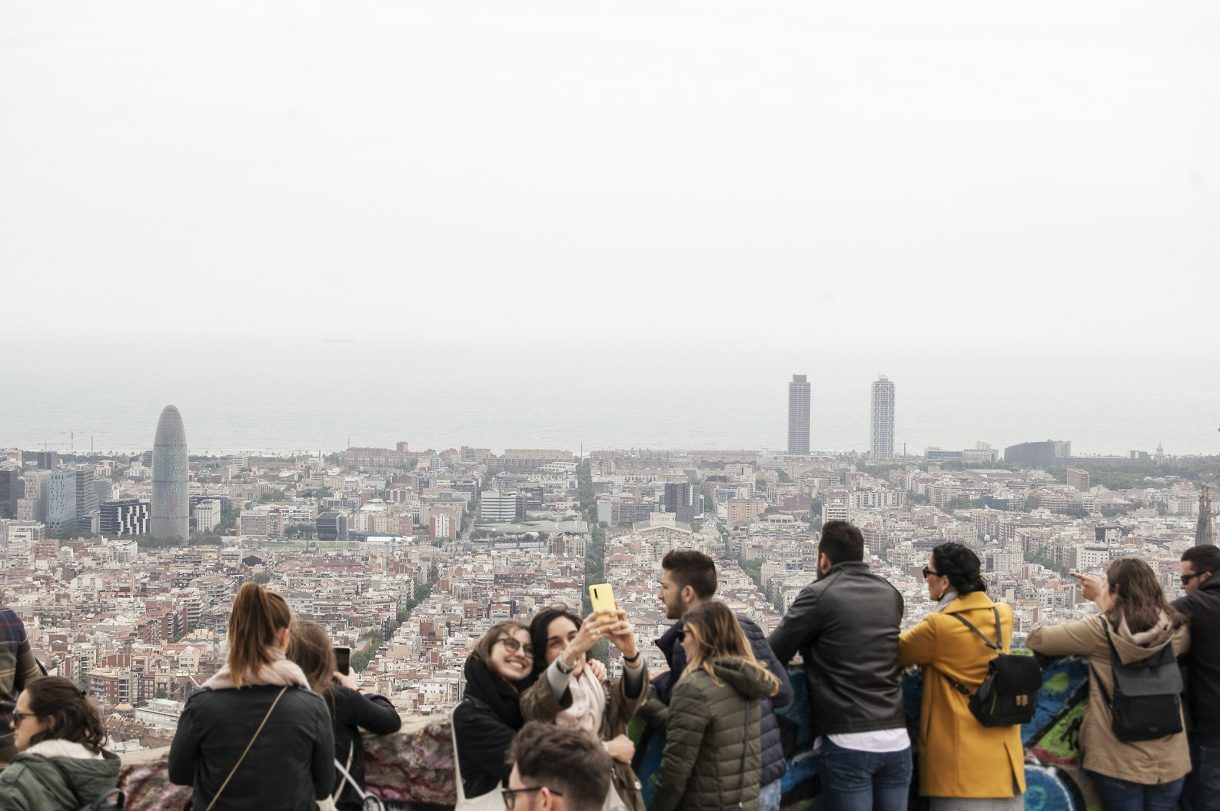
(290, 394)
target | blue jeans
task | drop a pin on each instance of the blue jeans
(1123, 795)
(1202, 791)
(769, 796)
(864, 781)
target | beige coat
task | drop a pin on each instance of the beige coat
(958, 756)
(1147, 762)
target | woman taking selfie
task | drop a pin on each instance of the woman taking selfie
(350, 709)
(713, 746)
(255, 719)
(489, 714)
(60, 764)
(570, 694)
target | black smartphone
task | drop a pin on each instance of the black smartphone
(343, 659)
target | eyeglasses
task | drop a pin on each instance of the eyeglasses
(18, 717)
(1186, 578)
(929, 573)
(513, 645)
(510, 794)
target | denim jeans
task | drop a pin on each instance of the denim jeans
(769, 796)
(864, 781)
(1123, 795)
(1202, 791)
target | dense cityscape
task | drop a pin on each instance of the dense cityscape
(408, 555)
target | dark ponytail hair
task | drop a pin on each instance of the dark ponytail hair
(258, 616)
(69, 713)
(959, 563)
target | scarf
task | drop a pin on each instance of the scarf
(280, 673)
(494, 691)
(588, 705)
(946, 598)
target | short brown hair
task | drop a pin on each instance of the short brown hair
(689, 567)
(565, 760)
(1204, 558)
(69, 713)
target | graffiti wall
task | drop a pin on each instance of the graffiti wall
(1055, 780)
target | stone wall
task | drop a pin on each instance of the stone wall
(414, 768)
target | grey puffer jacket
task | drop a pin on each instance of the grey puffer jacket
(713, 746)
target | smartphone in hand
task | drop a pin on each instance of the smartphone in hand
(343, 659)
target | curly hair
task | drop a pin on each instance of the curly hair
(959, 563)
(69, 713)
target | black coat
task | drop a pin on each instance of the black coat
(773, 763)
(291, 765)
(845, 626)
(1203, 659)
(483, 740)
(352, 711)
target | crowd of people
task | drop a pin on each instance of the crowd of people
(540, 726)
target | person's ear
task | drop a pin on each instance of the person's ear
(688, 594)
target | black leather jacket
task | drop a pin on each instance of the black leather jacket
(1203, 660)
(845, 626)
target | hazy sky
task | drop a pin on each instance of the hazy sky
(931, 176)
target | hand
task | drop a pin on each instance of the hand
(586, 637)
(597, 669)
(621, 749)
(622, 634)
(347, 680)
(1091, 586)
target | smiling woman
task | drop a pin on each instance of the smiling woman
(489, 714)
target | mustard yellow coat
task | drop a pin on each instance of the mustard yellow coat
(958, 756)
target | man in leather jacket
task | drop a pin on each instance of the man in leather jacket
(1200, 569)
(845, 626)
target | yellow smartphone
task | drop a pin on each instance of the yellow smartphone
(601, 596)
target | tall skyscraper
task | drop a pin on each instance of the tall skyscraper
(1203, 529)
(798, 415)
(883, 419)
(170, 501)
(61, 518)
(11, 491)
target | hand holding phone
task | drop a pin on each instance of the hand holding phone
(601, 597)
(343, 659)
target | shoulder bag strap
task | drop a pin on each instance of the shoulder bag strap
(237, 765)
(346, 771)
(999, 643)
(992, 645)
(457, 765)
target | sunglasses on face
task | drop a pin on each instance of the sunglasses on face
(512, 646)
(929, 573)
(18, 717)
(1186, 578)
(509, 795)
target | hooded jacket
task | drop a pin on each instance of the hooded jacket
(57, 775)
(1161, 760)
(1203, 661)
(774, 764)
(713, 747)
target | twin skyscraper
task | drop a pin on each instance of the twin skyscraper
(882, 417)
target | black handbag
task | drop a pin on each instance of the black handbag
(1009, 694)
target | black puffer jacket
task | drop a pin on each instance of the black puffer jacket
(774, 764)
(352, 711)
(713, 747)
(845, 626)
(291, 766)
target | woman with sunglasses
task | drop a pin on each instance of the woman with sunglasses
(572, 694)
(962, 764)
(489, 714)
(60, 764)
(713, 741)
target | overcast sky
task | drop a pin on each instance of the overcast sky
(934, 176)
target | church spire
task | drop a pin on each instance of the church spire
(1203, 530)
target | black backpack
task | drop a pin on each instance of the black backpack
(1146, 703)
(1009, 694)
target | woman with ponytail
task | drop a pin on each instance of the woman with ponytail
(255, 736)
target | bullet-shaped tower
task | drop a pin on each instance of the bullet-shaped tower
(170, 502)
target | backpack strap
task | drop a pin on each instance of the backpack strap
(995, 646)
(1105, 694)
